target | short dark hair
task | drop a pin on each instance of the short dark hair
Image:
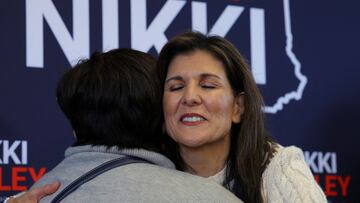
(113, 99)
(251, 145)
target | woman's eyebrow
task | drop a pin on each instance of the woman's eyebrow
(173, 78)
(209, 75)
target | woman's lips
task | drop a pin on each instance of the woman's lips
(191, 119)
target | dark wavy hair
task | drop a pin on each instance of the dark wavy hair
(251, 146)
(113, 99)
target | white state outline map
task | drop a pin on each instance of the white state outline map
(295, 94)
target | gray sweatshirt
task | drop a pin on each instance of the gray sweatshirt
(137, 182)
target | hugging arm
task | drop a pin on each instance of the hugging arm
(34, 195)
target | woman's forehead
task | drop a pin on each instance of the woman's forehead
(197, 63)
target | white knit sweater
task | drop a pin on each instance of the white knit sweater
(287, 178)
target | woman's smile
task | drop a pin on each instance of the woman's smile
(192, 119)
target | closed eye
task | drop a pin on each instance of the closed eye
(175, 88)
(208, 86)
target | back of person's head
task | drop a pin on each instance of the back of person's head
(113, 99)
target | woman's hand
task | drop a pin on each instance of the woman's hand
(36, 194)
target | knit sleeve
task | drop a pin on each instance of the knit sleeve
(289, 179)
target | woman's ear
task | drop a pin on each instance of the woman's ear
(239, 107)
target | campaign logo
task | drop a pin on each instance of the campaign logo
(324, 165)
(260, 29)
(15, 173)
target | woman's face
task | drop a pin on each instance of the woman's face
(199, 105)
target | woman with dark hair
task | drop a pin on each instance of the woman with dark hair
(215, 124)
(215, 127)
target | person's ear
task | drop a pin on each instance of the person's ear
(239, 107)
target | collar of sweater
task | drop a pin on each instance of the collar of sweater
(151, 156)
(219, 177)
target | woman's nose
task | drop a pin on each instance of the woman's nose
(191, 97)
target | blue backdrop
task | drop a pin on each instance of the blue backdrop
(304, 57)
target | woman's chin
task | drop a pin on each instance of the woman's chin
(192, 143)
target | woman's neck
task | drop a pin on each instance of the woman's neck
(206, 160)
